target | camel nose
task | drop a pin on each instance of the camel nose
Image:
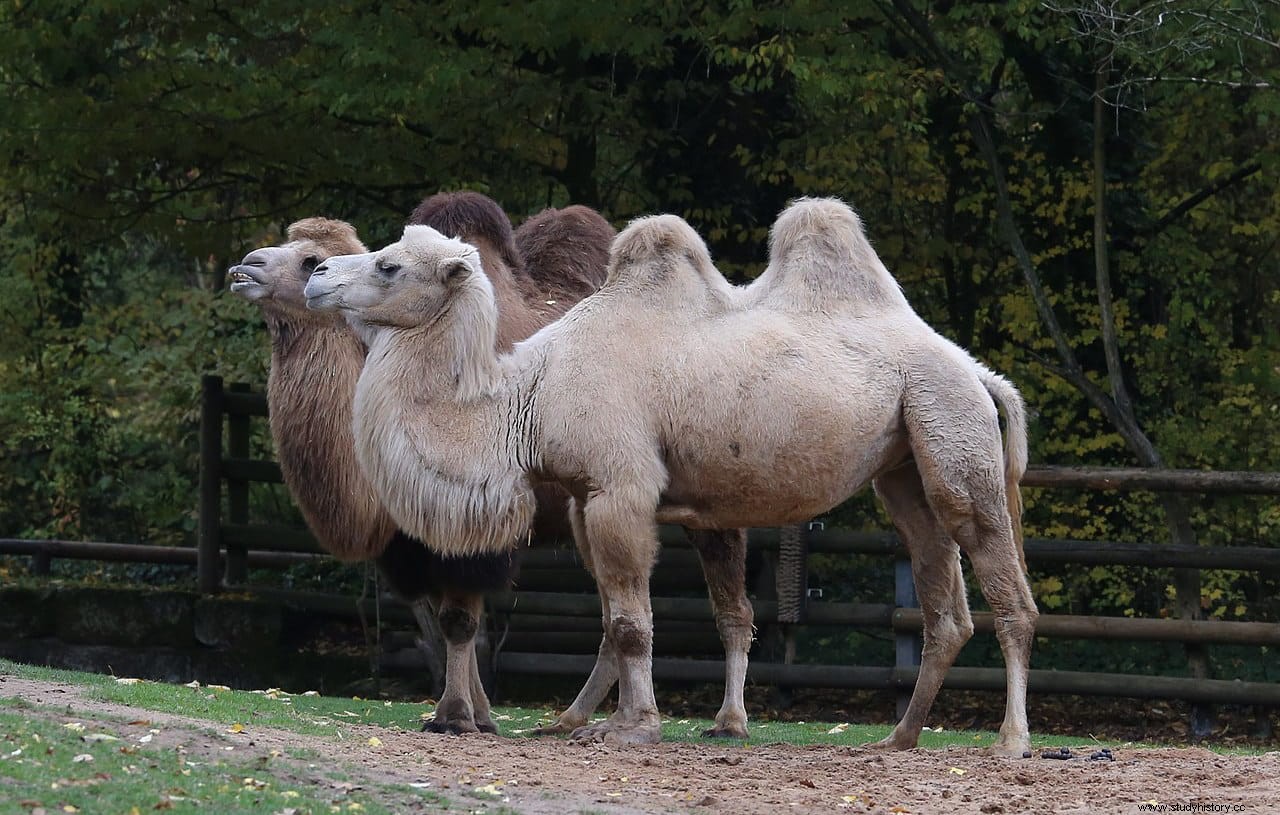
(320, 270)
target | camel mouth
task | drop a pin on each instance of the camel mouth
(242, 280)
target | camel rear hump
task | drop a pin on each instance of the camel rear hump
(818, 252)
(663, 257)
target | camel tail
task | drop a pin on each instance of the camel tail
(1015, 447)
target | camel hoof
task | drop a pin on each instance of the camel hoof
(1013, 748)
(557, 728)
(728, 731)
(615, 733)
(455, 727)
(892, 743)
(486, 726)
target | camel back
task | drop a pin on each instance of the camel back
(332, 237)
(471, 217)
(566, 251)
(818, 252)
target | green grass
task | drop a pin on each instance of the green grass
(328, 716)
(112, 766)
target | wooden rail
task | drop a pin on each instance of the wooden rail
(562, 619)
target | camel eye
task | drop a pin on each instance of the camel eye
(309, 264)
(388, 269)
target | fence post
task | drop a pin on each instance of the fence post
(237, 489)
(209, 530)
(906, 646)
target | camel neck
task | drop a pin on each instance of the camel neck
(446, 463)
(314, 368)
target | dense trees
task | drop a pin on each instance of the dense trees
(1085, 195)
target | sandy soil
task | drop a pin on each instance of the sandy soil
(554, 776)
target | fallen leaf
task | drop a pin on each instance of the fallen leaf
(217, 687)
(74, 726)
(194, 683)
(374, 741)
(840, 728)
(311, 693)
(82, 757)
(490, 789)
(99, 737)
(956, 771)
(145, 739)
(127, 680)
(236, 728)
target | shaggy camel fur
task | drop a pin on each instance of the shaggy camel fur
(672, 395)
(316, 359)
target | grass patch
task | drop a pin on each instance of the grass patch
(327, 716)
(105, 766)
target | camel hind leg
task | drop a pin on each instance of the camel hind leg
(723, 554)
(972, 506)
(935, 567)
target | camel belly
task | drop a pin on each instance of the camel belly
(728, 480)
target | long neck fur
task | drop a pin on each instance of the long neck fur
(440, 434)
(315, 363)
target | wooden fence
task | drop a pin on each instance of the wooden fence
(551, 625)
(554, 612)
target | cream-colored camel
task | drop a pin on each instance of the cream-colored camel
(315, 361)
(671, 395)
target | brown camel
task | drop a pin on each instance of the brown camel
(672, 395)
(555, 258)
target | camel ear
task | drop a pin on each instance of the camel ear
(455, 270)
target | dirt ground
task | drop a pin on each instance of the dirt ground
(546, 777)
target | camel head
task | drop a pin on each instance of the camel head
(276, 275)
(409, 283)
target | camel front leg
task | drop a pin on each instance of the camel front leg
(723, 554)
(604, 674)
(463, 707)
(623, 543)
(935, 566)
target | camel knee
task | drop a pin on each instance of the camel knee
(736, 623)
(947, 634)
(1018, 627)
(458, 625)
(630, 637)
